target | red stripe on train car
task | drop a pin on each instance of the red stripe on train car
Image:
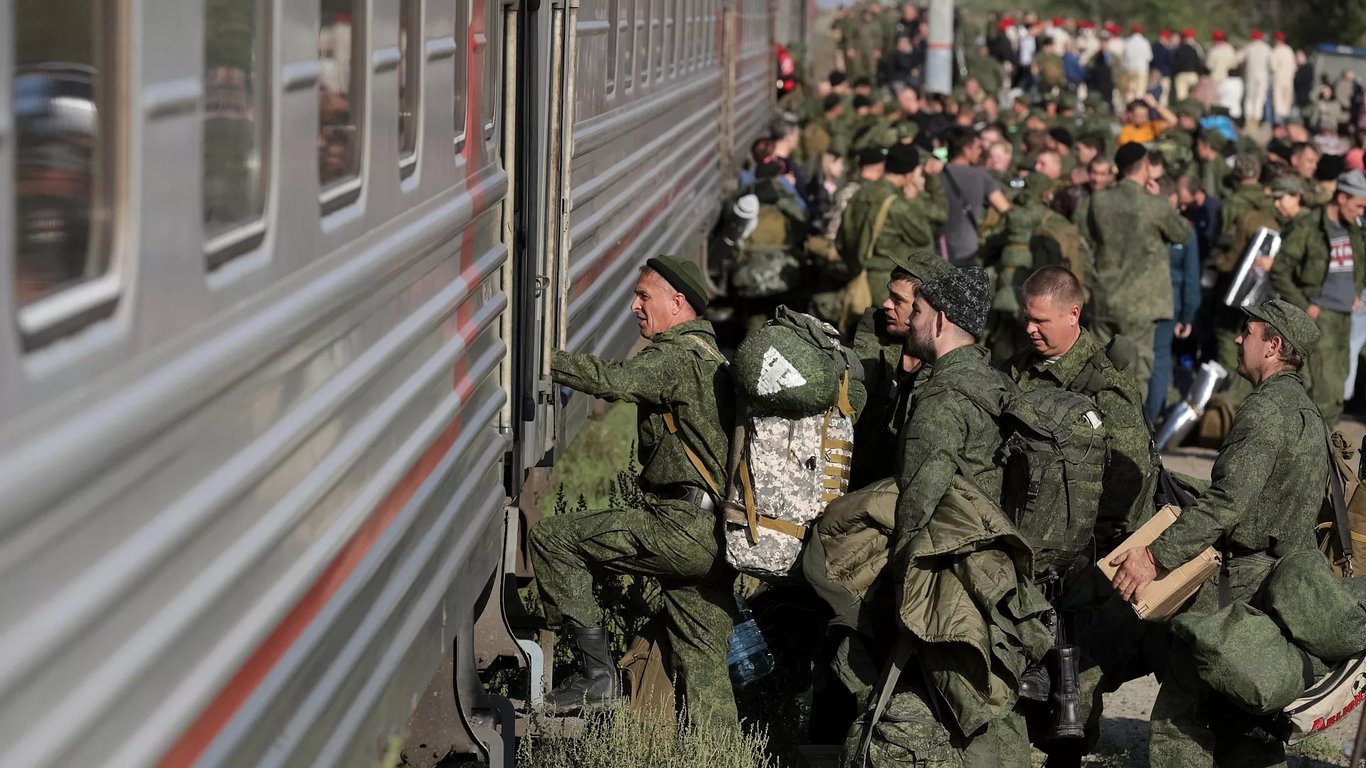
(197, 738)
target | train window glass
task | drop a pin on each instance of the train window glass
(235, 121)
(659, 32)
(409, 44)
(341, 56)
(62, 169)
(613, 33)
(462, 85)
(643, 40)
(628, 45)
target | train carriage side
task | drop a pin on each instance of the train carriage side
(644, 175)
(252, 393)
(755, 73)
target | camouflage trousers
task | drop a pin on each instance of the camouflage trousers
(911, 731)
(1327, 367)
(1182, 736)
(671, 541)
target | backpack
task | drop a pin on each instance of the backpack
(794, 441)
(1054, 456)
(764, 263)
(1052, 72)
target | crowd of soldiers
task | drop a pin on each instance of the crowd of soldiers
(1014, 235)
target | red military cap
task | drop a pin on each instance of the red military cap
(1086, 24)
(1136, 28)
(1188, 32)
(1280, 37)
(1217, 36)
(1112, 28)
(1257, 34)
(1164, 33)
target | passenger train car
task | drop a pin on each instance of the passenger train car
(280, 283)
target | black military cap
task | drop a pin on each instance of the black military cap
(1330, 168)
(1129, 154)
(1290, 321)
(872, 156)
(1061, 135)
(831, 101)
(963, 294)
(861, 101)
(684, 276)
(902, 158)
(837, 78)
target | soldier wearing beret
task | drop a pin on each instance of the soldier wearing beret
(1320, 268)
(675, 535)
(1265, 493)
(1130, 230)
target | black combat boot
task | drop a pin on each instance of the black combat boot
(1034, 684)
(1064, 720)
(595, 682)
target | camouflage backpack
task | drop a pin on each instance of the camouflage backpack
(764, 262)
(1054, 456)
(793, 446)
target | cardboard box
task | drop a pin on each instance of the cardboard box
(1170, 591)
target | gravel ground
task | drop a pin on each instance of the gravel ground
(1124, 730)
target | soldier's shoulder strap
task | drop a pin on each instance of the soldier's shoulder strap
(671, 421)
(879, 222)
(891, 674)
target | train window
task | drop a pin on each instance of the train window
(628, 44)
(234, 130)
(341, 47)
(63, 160)
(613, 33)
(659, 35)
(461, 33)
(643, 40)
(409, 43)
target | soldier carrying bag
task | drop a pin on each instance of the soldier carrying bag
(1342, 521)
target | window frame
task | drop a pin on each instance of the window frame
(342, 193)
(412, 69)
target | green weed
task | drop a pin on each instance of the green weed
(624, 738)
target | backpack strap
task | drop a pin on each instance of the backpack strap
(878, 223)
(891, 674)
(671, 421)
(1337, 495)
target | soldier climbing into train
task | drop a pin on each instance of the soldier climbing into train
(682, 390)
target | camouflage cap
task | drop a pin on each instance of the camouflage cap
(1067, 101)
(684, 276)
(907, 129)
(1247, 166)
(1289, 321)
(921, 263)
(1190, 108)
(1036, 185)
(963, 294)
(1215, 139)
(1287, 184)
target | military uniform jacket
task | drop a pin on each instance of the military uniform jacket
(1130, 478)
(1301, 266)
(1130, 230)
(953, 430)
(673, 374)
(1246, 199)
(906, 228)
(890, 393)
(1268, 482)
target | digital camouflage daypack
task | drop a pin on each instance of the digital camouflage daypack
(793, 446)
(765, 264)
(1054, 456)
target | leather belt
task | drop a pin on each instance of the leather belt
(698, 497)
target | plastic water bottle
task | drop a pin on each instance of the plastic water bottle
(748, 658)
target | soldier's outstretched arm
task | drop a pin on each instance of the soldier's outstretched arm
(645, 378)
(1245, 462)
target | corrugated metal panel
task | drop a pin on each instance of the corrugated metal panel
(753, 87)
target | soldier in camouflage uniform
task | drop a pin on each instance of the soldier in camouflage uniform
(1320, 268)
(905, 227)
(1266, 489)
(1129, 229)
(1009, 260)
(820, 134)
(675, 536)
(1062, 354)
(890, 374)
(953, 430)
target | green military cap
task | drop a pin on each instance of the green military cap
(1037, 113)
(1289, 321)
(907, 129)
(1287, 184)
(684, 276)
(1215, 139)
(1067, 101)
(1036, 185)
(1295, 120)
(921, 263)
(1190, 108)
(963, 294)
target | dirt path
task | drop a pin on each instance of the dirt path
(1124, 730)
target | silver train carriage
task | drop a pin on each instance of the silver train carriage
(281, 281)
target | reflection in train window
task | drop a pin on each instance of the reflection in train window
(339, 92)
(642, 23)
(461, 34)
(235, 116)
(613, 32)
(61, 173)
(409, 46)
